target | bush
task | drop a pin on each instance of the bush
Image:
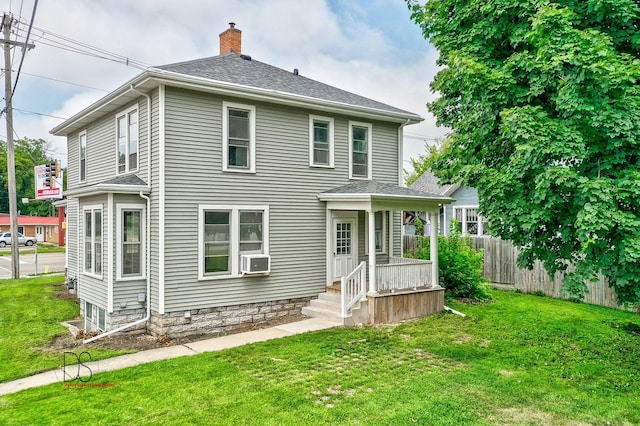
(460, 266)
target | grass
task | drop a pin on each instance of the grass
(42, 248)
(30, 318)
(519, 360)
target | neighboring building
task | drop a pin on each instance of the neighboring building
(212, 193)
(45, 229)
(464, 207)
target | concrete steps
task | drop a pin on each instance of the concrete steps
(328, 307)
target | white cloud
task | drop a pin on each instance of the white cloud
(345, 51)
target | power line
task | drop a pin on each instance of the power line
(58, 41)
(24, 111)
(25, 47)
(66, 82)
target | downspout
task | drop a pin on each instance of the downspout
(148, 272)
(148, 230)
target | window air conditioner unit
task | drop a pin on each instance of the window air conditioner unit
(255, 264)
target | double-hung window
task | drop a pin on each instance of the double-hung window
(93, 240)
(470, 222)
(130, 250)
(83, 155)
(360, 149)
(238, 137)
(127, 136)
(320, 141)
(227, 233)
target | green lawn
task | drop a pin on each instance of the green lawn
(42, 248)
(30, 317)
(519, 360)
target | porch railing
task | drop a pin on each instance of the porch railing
(354, 287)
(402, 273)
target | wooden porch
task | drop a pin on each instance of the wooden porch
(403, 290)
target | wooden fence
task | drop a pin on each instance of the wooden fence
(500, 268)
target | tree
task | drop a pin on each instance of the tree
(28, 153)
(422, 163)
(543, 101)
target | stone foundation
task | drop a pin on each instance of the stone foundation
(127, 316)
(222, 319)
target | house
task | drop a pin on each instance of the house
(464, 208)
(45, 229)
(212, 193)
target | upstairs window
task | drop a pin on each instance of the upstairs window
(83, 156)
(238, 137)
(127, 135)
(359, 150)
(320, 141)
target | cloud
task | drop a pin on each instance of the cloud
(338, 44)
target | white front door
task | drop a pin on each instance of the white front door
(344, 249)
(40, 233)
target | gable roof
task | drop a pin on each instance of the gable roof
(238, 75)
(428, 182)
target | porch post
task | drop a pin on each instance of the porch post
(372, 251)
(390, 243)
(433, 235)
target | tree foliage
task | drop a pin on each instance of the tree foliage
(543, 99)
(422, 163)
(28, 154)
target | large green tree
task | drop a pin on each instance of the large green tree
(543, 101)
(28, 154)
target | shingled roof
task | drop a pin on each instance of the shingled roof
(245, 71)
(428, 182)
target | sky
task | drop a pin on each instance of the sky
(369, 47)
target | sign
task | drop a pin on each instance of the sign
(43, 190)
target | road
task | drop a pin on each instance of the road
(49, 262)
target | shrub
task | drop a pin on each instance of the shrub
(460, 266)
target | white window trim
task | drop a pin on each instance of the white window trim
(225, 139)
(369, 127)
(120, 209)
(464, 221)
(92, 208)
(126, 160)
(312, 119)
(385, 218)
(104, 313)
(82, 133)
(234, 234)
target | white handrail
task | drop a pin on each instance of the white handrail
(403, 274)
(353, 287)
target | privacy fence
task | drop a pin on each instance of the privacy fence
(500, 268)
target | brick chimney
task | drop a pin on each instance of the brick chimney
(231, 40)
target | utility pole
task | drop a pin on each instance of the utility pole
(11, 159)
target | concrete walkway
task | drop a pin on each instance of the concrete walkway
(143, 357)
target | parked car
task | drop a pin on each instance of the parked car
(5, 238)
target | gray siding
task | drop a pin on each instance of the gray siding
(156, 168)
(283, 181)
(125, 292)
(463, 196)
(101, 164)
(90, 288)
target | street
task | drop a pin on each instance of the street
(47, 262)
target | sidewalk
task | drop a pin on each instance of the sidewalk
(194, 348)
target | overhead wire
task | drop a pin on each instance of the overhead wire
(25, 47)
